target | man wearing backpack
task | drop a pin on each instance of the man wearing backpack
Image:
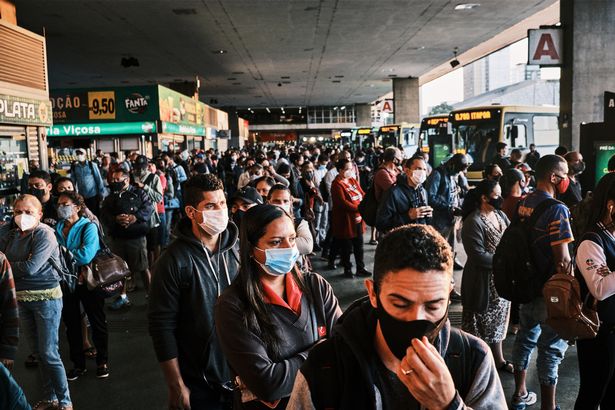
(397, 345)
(89, 183)
(549, 239)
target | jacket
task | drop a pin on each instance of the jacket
(87, 178)
(347, 361)
(30, 254)
(383, 181)
(440, 198)
(152, 185)
(82, 240)
(184, 290)
(270, 377)
(396, 202)
(132, 201)
(479, 267)
(12, 396)
(9, 313)
(345, 212)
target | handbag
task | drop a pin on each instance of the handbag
(106, 272)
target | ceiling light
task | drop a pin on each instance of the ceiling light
(219, 51)
(268, 110)
(334, 108)
(466, 6)
(454, 63)
(343, 107)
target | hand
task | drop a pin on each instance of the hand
(429, 381)
(603, 271)
(130, 219)
(138, 184)
(420, 212)
(120, 219)
(8, 363)
(179, 397)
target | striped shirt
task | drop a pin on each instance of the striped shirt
(9, 316)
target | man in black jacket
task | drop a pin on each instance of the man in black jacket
(187, 280)
(396, 348)
(406, 201)
(126, 216)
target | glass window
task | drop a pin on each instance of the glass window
(479, 141)
(546, 130)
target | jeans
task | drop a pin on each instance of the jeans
(321, 223)
(93, 304)
(533, 331)
(169, 221)
(41, 321)
(162, 230)
(355, 245)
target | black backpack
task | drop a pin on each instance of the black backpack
(515, 275)
(368, 208)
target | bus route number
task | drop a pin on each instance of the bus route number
(101, 105)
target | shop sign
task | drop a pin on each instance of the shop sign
(171, 128)
(95, 129)
(180, 109)
(26, 111)
(546, 47)
(123, 104)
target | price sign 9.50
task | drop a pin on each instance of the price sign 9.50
(101, 105)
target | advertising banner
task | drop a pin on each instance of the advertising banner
(95, 129)
(604, 152)
(171, 128)
(24, 111)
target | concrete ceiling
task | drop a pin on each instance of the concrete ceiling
(327, 52)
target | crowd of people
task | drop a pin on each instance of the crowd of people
(224, 243)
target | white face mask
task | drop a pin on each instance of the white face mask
(81, 158)
(418, 176)
(214, 221)
(285, 207)
(349, 174)
(25, 222)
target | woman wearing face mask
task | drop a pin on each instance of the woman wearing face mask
(346, 223)
(30, 246)
(595, 264)
(80, 236)
(279, 195)
(485, 314)
(272, 314)
(65, 184)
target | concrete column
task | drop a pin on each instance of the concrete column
(363, 115)
(406, 100)
(233, 126)
(589, 35)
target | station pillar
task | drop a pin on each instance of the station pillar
(406, 100)
(363, 113)
(233, 126)
(589, 35)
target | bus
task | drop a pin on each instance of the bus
(404, 135)
(435, 138)
(477, 130)
(362, 138)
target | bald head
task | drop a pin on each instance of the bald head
(30, 200)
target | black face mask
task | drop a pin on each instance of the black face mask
(398, 334)
(578, 168)
(38, 193)
(116, 186)
(496, 202)
(308, 175)
(237, 217)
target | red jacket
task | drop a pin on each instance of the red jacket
(346, 197)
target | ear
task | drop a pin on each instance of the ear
(371, 292)
(186, 208)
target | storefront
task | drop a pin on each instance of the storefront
(25, 110)
(148, 119)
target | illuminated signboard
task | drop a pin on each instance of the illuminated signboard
(604, 152)
(93, 129)
(473, 116)
(364, 131)
(392, 128)
(436, 121)
(345, 134)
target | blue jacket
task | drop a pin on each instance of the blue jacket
(82, 240)
(438, 187)
(87, 177)
(11, 395)
(396, 202)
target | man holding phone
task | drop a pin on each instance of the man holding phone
(406, 201)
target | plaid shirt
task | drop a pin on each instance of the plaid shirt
(9, 316)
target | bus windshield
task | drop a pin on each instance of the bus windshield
(479, 141)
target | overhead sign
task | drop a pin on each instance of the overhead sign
(94, 129)
(437, 121)
(545, 47)
(171, 128)
(24, 111)
(473, 115)
(390, 128)
(609, 107)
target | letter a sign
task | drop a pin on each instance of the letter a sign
(545, 47)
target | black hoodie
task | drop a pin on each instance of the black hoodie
(182, 298)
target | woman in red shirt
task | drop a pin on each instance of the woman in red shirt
(347, 225)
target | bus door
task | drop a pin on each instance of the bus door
(408, 141)
(517, 130)
(545, 132)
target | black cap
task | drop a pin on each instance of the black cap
(249, 195)
(141, 161)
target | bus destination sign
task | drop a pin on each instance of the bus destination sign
(473, 115)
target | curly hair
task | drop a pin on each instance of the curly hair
(418, 247)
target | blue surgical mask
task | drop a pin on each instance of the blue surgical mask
(279, 261)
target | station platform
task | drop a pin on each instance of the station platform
(136, 382)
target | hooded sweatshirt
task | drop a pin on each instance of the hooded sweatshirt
(184, 290)
(352, 356)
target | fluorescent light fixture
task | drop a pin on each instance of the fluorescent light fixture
(268, 110)
(343, 107)
(334, 108)
(466, 6)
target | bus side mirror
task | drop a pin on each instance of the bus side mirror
(514, 133)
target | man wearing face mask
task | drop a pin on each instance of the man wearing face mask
(406, 202)
(188, 278)
(126, 214)
(550, 239)
(396, 348)
(243, 200)
(90, 185)
(576, 166)
(39, 185)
